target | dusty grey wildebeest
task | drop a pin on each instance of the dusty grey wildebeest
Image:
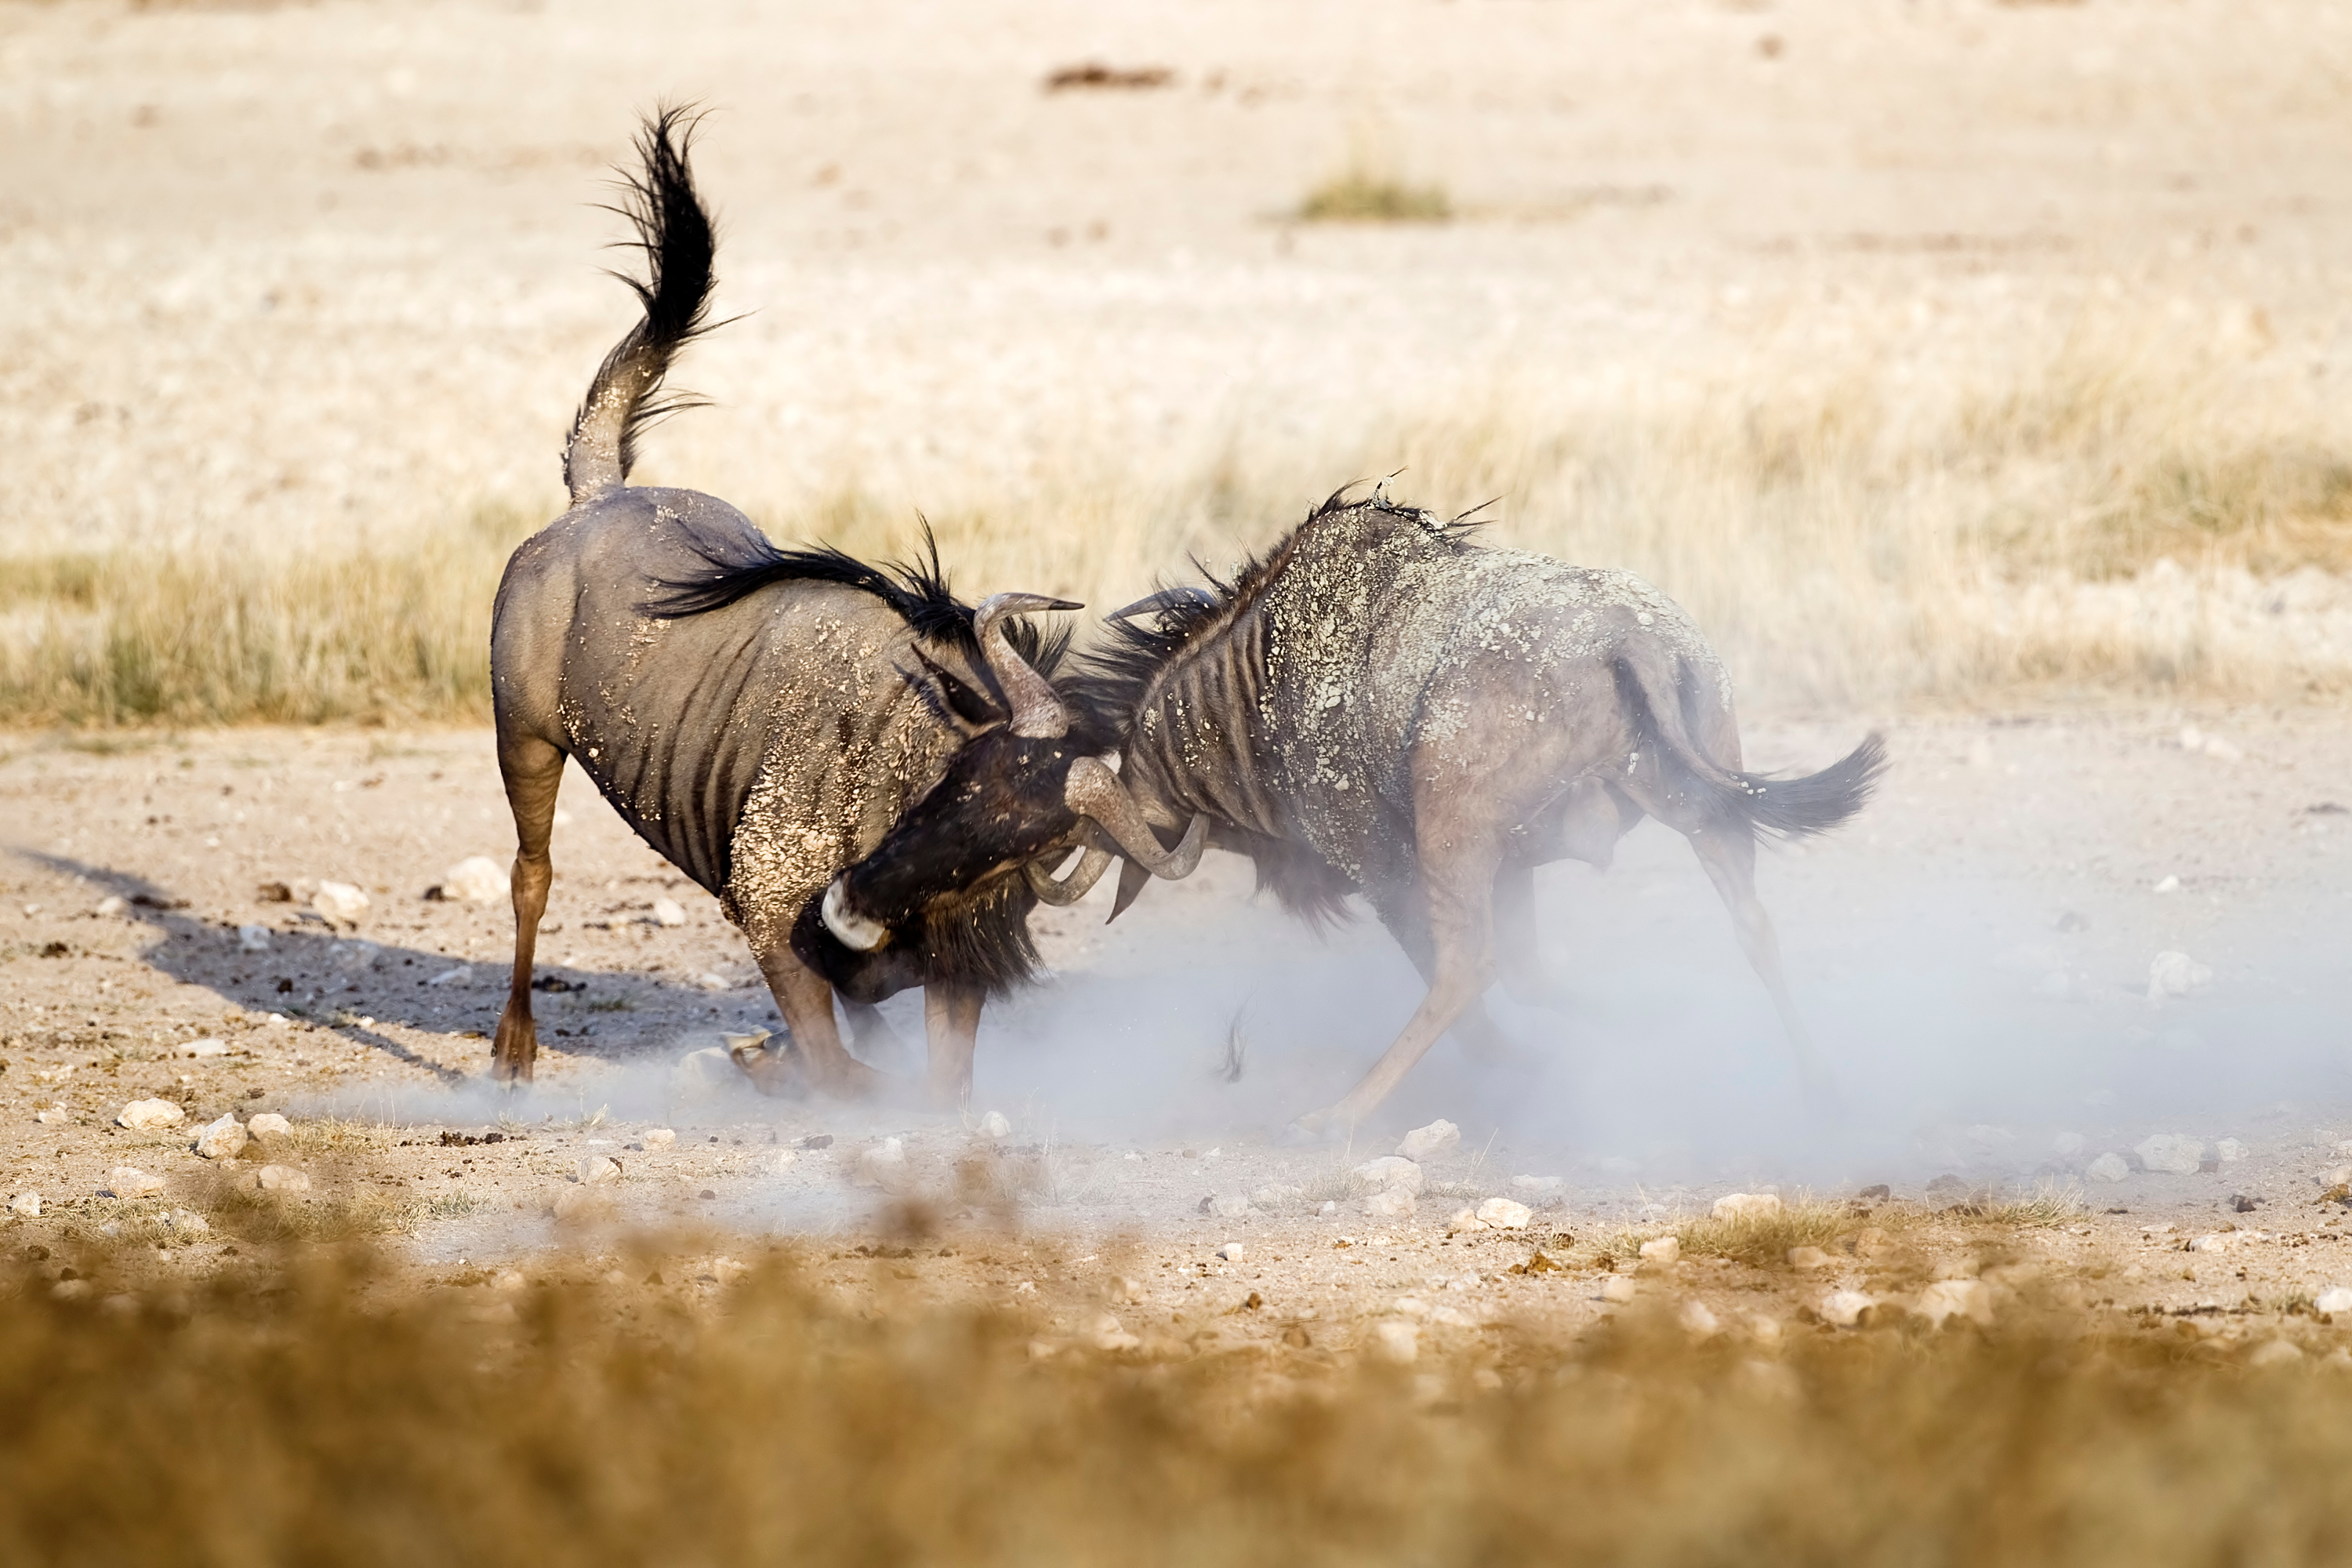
(1380, 706)
(761, 716)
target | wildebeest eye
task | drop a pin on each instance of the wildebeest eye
(973, 707)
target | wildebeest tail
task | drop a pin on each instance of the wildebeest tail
(674, 231)
(1790, 807)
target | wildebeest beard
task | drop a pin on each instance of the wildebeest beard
(977, 939)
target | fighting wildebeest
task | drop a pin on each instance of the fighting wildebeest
(761, 716)
(1380, 706)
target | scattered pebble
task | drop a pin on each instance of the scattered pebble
(2230, 1151)
(1233, 1252)
(457, 977)
(281, 1179)
(1663, 1251)
(2108, 1167)
(1807, 1257)
(1696, 1320)
(2176, 974)
(476, 879)
(130, 1181)
(1503, 1213)
(342, 903)
(1326, 1208)
(26, 1206)
(1390, 1202)
(1747, 1206)
(1844, 1309)
(253, 939)
(268, 1124)
(1617, 1288)
(701, 1072)
(883, 1166)
(1970, 1298)
(109, 906)
(2171, 1152)
(1225, 1205)
(598, 1168)
(1109, 1334)
(1422, 1142)
(1398, 1344)
(2333, 1301)
(222, 1140)
(1384, 1174)
(149, 1115)
(994, 1127)
(669, 912)
(658, 1137)
(204, 1047)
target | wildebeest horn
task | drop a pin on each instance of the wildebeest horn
(1093, 790)
(1074, 887)
(1166, 599)
(1037, 712)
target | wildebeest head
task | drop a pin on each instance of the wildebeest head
(1018, 797)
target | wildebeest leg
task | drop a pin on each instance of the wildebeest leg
(1459, 883)
(1515, 958)
(1406, 914)
(534, 771)
(952, 1022)
(1729, 855)
(806, 1003)
(870, 1034)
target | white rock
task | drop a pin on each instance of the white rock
(783, 1160)
(268, 1124)
(457, 977)
(130, 1181)
(1844, 1309)
(598, 1168)
(2171, 1152)
(1422, 1142)
(1398, 1344)
(204, 1047)
(2170, 884)
(2176, 974)
(1537, 1186)
(1503, 1213)
(1968, 1298)
(1326, 1208)
(1393, 1203)
(110, 905)
(1617, 1288)
(2333, 1301)
(2066, 1145)
(2108, 1167)
(1381, 1174)
(149, 1115)
(1696, 1320)
(1807, 1257)
(26, 1206)
(710, 981)
(669, 912)
(1747, 1206)
(1233, 1252)
(283, 1179)
(222, 1140)
(883, 1165)
(1225, 1205)
(253, 938)
(994, 1127)
(2215, 1243)
(476, 879)
(658, 1137)
(1464, 1218)
(1662, 1251)
(187, 1223)
(341, 902)
(2230, 1151)
(1109, 1334)
(52, 1114)
(704, 1071)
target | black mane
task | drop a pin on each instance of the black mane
(916, 590)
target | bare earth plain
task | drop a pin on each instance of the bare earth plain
(279, 280)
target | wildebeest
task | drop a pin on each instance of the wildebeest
(761, 716)
(1378, 705)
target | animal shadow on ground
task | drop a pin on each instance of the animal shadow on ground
(357, 986)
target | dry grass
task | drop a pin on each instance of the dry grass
(2126, 510)
(331, 1414)
(1363, 196)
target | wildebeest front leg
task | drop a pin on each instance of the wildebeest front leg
(1405, 911)
(952, 1022)
(534, 771)
(806, 1001)
(1729, 855)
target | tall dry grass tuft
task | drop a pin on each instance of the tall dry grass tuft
(2118, 512)
(334, 1414)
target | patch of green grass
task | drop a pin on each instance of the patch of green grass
(1361, 195)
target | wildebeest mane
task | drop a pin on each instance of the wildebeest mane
(916, 590)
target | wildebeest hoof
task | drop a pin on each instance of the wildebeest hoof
(1317, 1127)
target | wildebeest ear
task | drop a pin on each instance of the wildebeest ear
(973, 707)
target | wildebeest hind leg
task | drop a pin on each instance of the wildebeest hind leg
(806, 1001)
(534, 771)
(951, 1022)
(1729, 855)
(1405, 913)
(1515, 958)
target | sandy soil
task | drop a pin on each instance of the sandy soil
(2014, 842)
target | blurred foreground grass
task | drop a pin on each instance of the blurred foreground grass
(332, 1412)
(2117, 514)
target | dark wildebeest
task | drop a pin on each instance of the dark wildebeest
(761, 716)
(1380, 706)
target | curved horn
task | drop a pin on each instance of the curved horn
(1072, 888)
(1166, 599)
(1037, 711)
(852, 929)
(1093, 790)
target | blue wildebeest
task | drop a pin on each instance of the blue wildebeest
(1380, 705)
(763, 716)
